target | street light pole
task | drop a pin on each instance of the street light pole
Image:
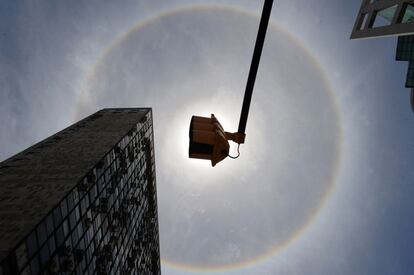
(264, 21)
(208, 140)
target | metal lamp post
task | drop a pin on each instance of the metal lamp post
(208, 140)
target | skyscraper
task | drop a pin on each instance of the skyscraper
(379, 18)
(83, 200)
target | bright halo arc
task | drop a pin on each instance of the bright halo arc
(172, 143)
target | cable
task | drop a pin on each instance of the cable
(238, 153)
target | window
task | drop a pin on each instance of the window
(71, 203)
(410, 75)
(64, 208)
(72, 220)
(384, 17)
(34, 266)
(83, 205)
(57, 215)
(41, 233)
(405, 48)
(49, 225)
(60, 235)
(80, 230)
(44, 254)
(408, 16)
(52, 245)
(75, 237)
(21, 256)
(77, 213)
(25, 271)
(65, 227)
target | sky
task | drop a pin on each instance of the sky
(323, 184)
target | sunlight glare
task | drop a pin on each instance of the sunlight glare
(175, 146)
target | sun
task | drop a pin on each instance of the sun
(174, 147)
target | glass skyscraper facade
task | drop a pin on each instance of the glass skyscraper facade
(83, 201)
(378, 18)
(384, 18)
(405, 52)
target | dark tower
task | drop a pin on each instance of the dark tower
(83, 200)
(379, 18)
